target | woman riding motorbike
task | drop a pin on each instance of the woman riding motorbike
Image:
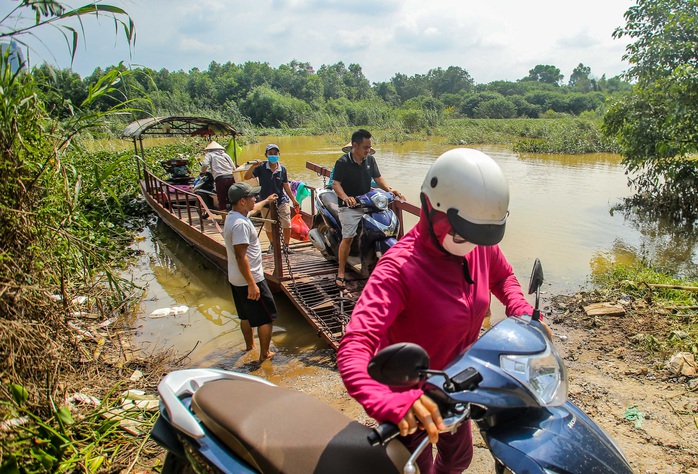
(433, 289)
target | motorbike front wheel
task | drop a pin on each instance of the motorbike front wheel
(324, 232)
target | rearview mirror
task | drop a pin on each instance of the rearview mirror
(536, 280)
(534, 287)
(399, 365)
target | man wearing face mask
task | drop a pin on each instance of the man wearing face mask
(273, 179)
(433, 289)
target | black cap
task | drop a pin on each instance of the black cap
(240, 190)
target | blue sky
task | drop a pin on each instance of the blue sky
(491, 39)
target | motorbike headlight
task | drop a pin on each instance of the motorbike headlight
(380, 200)
(543, 374)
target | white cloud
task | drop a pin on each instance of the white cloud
(491, 39)
(347, 41)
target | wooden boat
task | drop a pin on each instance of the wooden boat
(304, 275)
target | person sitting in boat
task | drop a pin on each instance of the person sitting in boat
(222, 167)
(273, 179)
(433, 289)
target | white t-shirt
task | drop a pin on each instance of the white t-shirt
(239, 230)
(219, 163)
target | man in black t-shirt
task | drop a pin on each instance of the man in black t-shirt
(352, 177)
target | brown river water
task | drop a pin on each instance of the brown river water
(560, 212)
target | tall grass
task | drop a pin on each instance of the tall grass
(560, 135)
(563, 135)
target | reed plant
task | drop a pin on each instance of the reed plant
(560, 135)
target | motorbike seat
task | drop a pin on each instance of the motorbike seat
(277, 430)
(331, 202)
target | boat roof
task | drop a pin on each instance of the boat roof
(178, 125)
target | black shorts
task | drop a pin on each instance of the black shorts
(256, 312)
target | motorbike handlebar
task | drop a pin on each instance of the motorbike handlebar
(383, 433)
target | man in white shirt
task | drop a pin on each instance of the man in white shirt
(251, 294)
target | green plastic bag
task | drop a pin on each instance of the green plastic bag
(302, 192)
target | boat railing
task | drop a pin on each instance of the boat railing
(177, 201)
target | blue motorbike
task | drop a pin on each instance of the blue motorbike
(511, 382)
(377, 231)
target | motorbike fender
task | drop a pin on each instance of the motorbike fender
(384, 245)
(165, 435)
(561, 439)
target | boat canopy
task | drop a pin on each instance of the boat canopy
(177, 126)
(171, 126)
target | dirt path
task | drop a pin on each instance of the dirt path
(607, 380)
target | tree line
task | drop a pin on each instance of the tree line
(294, 94)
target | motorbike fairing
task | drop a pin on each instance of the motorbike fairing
(497, 390)
(561, 439)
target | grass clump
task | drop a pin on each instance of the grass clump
(667, 305)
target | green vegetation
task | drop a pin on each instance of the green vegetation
(66, 220)
(656, 124)
(92, 442)
(254, 95)
(557, 135)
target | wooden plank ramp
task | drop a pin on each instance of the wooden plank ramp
(309, 283)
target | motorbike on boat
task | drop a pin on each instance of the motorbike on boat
(204, 186)
(511, 382)
(377, 231)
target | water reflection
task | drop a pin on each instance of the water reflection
(560, 211)
(663, 245)
(176, 274)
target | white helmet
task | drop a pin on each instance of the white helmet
(470, 188)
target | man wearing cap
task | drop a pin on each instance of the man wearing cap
(352, 176)
(273, 179)
(251, 294)
(222, 168)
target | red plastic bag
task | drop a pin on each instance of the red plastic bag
(299, 229)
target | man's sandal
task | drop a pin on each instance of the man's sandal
(340, 282)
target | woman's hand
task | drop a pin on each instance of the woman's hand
(425, 415)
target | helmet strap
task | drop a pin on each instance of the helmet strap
(430, 211)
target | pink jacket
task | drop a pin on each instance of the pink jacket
(417, 293)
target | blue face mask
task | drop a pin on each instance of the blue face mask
(273, 158)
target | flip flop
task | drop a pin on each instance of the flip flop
(340, 282)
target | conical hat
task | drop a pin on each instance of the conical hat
(214, 145)
(347, 148)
